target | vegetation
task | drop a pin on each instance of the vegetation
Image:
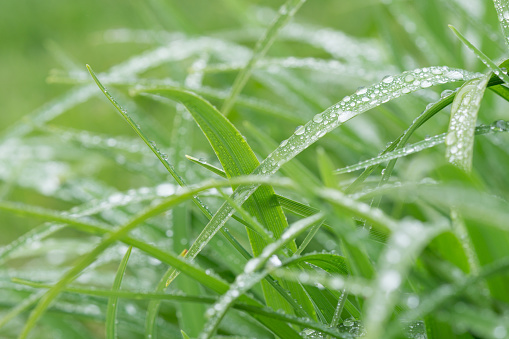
(248, 196)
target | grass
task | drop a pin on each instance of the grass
(279, 175)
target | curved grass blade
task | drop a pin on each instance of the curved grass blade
(460, 136)
(329, 262)
(111, 311)
(496, 127)
(286, 12)
(329, 67)
(335, 282)
(502, 7)
(251, 276)
(402, 248)
(208, 166)
(487, 61)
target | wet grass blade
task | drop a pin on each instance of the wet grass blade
(483, 57)
(286, 12)
(460, 136)
(419, 146)
(111, 311)
(502, 7)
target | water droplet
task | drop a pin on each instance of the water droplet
(413, 301)
(390, 280)
(409, 78)
(426, 84)
(501, 124)
(446, 93)
(361, 90)
(283, 143)
(455, 75)
(318, 118)
(387, 79)
(506, 15)
(450, 139)
(436, 71)
(500, 331)
(300, 130)
(346, 99)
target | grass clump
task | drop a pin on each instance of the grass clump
(237, 208)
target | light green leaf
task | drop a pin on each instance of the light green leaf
(460, 136)
(111, 312)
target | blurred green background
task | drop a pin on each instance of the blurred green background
(29, 31)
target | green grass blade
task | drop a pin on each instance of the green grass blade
(208, 166)
(286, 12)
(429, 142)
(111, 311)
(487, 61)
(460, 136)
(403, 247)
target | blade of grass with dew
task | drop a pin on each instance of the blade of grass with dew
(487, 61)
(237, 158)
(286, 12)
(353, 285)
(208, 166)
(402, 248)
(251, 275)
(111, 311)
(429, 142)
(502, 7)
(460, 136)
(312, 64)
(328, 262)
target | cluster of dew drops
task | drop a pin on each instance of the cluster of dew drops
(363, 99)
